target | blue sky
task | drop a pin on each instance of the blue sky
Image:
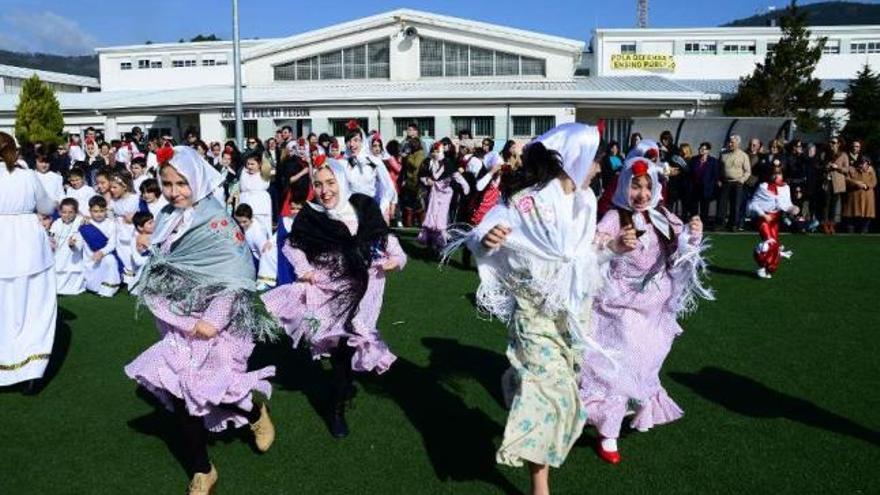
(77, 27)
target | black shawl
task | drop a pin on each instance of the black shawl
(330, 246)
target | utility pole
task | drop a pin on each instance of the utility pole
(236, 67)
(642, 13)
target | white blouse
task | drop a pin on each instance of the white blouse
(24, 249)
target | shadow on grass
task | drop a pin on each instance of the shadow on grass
(458, 439)
(742, 395)
(295, 370)
(162, 424)
(737, 272)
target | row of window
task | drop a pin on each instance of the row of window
(478, 126)
(832, 47)
(158, 64)
(440, 58)
(367, 61)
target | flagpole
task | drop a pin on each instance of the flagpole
(236, 63)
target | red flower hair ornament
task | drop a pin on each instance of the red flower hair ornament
(640, 168)
(164, 154)
(352, 125)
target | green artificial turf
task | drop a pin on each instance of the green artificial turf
(778, 379)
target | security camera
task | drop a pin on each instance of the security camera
(410, 32)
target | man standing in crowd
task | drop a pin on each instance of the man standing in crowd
(735, 170)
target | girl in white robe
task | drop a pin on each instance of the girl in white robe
(254, 189)
(125, 204)
(28, 306)
(52, 182)
(68, 246)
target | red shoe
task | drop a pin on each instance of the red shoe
(608, 456)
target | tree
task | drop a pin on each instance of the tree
(202, 37)
(864, 114)
(784, 86)
(38, 116)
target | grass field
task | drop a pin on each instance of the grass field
(779, 380)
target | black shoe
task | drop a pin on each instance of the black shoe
(338, 425)
(31, 387)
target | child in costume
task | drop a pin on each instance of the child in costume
(139, 174)
(102, 265)
(151, 197)
(539, 269)
(199, 285)
(144, 226)
(254, 187)
(79, 190)
(655, 282)
(366, 173)
(125, 204)
(52, 182)
(441, 179)
(341, 249)
(772, 200)
(68, 247)
(259, 240)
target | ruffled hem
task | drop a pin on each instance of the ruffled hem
(169, 371)
(659, 409)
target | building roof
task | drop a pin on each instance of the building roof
(727, 87)
(185, 46)
(599, 89)
(53, 77)
(731, 31)
(403, 16)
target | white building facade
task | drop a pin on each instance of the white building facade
(446, 73)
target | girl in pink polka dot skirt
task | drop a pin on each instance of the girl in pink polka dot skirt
(635, 316)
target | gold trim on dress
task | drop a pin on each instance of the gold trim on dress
(13, 367)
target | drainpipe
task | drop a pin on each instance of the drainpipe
(507, 125)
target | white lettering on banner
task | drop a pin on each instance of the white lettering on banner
(267, 113)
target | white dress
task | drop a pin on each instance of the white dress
(368, 175)
(125, 234)
(267, 262)
(69, 269)
(82, 196)
(254, 191)
(102, 277)
(53, 184)
(28, 305)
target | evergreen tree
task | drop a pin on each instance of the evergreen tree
(784, 86)
(864, 113)
(38, 116)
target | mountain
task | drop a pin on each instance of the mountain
(86, 65)
(820, 14)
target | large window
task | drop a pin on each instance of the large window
(368, 61)
(528, 126)
(440, 58)
(340, 126)
(865, 47)
(250, 129)
(478, 127)
(426, 125)
(701, 47)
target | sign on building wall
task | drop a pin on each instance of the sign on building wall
(269, 113)
(642, 61)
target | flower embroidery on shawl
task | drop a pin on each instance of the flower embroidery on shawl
(224, 228)
(525, 204)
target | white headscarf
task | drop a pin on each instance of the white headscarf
(202, 179)
(642, 149)
(343, 211)
(621, 195)
(577, 144)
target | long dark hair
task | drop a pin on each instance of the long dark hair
(8, 151)
(539, 167)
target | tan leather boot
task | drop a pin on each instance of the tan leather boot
(203, 483)
(264, 430)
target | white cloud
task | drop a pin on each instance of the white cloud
(46, 32)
